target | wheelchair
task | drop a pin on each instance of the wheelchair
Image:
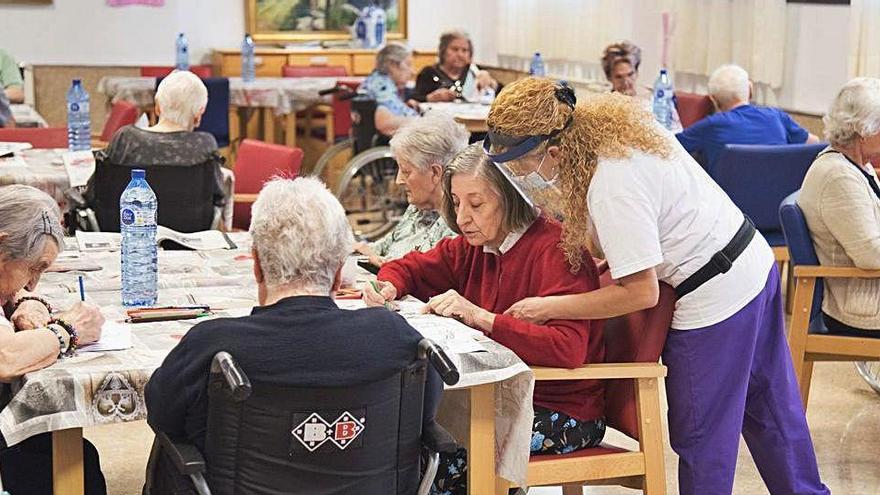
(870, 372)
(366, 186)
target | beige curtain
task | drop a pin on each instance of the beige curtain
(710, 33)
(864, 58)
(570, 34)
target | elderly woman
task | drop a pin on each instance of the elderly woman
(840, 198)
(181, 99)
(422, 149)
(658, 216)
(620, 62)
(506, 252)
(386, 85)
(456, 76)
(31, 336)
(297, 336)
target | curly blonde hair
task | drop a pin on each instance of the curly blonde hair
(608, 126)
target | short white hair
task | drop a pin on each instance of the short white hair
(434, 138)
(300, 233)
(729, 84)
(855, 112)
(181, 96)
(392, 53)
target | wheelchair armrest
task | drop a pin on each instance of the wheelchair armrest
(437, 439)
(186, 457)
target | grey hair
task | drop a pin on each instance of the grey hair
(472, 160)
(181, 97)
(624, 51)
(729, 84)
(28, 217)
(448, 37)
(392, 53)
(435, 138)
(854, 113)
(300, 233)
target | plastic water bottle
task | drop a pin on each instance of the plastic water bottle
(663, 104)
(137, 222)
(378, 27)
(182, 52)
(248, 63)
(79, 131)
(536, 68)
(360, 29)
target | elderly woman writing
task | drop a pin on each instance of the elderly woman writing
(31, 336)
(181, 99)
(506, 252)
(422, 149)
(386, 85)
(840, 198)
(456, 76)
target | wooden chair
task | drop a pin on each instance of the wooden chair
(256, 163)
(316, 121)
(692, 107)
(39, 137)
(202, 71)
(633, 344)
(122, 113)
(808, 338)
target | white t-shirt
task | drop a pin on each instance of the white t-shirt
(669, 214)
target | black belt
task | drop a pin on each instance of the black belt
(720, 261)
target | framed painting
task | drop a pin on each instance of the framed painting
(303, 20)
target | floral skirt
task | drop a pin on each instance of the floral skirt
(552, 433)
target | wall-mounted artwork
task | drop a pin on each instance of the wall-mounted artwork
(26, 2)
(302, 20)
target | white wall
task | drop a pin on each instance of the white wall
(73, 32)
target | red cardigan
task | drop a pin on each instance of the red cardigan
(534, 266)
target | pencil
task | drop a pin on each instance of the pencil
(82, 290)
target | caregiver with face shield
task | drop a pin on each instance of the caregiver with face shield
(620, 180)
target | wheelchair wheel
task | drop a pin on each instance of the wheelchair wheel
(326, 163)
(870, 371)
(367, 190)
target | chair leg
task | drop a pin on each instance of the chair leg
(800, 322)
(789, 290)
(804, 381)
(651, 434)
(572, 490)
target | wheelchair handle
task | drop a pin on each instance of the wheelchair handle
(239, 384)
(440, 361)
(347, 92)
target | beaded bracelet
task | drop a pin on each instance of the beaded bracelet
(74, 337)
(57, 329)
(39, 299)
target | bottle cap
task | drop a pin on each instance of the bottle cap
(663, 71)
(138, 173)
(77, 82)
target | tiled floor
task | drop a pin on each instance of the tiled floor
(844, 418)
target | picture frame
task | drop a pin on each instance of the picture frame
(279, 21)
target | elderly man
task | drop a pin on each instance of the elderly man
(33, 337)
(297, 336)
(737, 121)
(422, 148)
(10, 78)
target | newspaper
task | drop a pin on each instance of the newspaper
(206, 240)
(80, 166)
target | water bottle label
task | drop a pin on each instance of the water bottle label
(138, 218)
(74, 107)
(660, 93)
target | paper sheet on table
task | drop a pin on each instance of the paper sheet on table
(114, 337)
(450, 334)
(80, 166)
(7, 147)
(13, 162)
(98, 241)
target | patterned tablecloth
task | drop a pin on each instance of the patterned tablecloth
(108, 387)
(44, 169)
(27, 116)
(283, 95)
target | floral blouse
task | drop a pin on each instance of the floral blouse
(382, 88)
(417, 231)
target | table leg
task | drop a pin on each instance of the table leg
(251, 123)
(67, 462)
(290, 130)
(269, 125)
(481, 444)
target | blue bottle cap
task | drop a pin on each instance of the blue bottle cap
(663, 71)
(138, 173)
(77, 82)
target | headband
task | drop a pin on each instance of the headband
(520, 145)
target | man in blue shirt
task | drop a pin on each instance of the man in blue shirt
(738, 122)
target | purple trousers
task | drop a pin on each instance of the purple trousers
(736, 377)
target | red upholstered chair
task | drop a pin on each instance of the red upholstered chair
(39, 137)
(633, 344)
(256, 163)
(203, 71)
(122, 114)
(314, 71)
(692, 107)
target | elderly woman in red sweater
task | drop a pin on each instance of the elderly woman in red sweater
(505, 252)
